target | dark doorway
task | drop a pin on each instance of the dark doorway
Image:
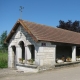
(32, 50)
(22, 49)
(78, 51)
(14, 55)
(65, 51)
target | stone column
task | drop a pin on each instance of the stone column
(10, 57)
(18, 53)
(37, 57)
(73, 53)
(25, 54)
(54, 55)
(28, 53)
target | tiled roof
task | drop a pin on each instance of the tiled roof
(47, 33)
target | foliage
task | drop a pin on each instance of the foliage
(31, 61)
(21, 60)
(68, 59)
(69, 25)
(3, 36)
(3, 51)
(3, 60)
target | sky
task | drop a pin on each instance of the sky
(47, 12)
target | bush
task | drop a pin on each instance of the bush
(3, 60)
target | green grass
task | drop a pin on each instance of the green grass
(3, 60)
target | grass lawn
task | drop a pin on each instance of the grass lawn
(3, 60)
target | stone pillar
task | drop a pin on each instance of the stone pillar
(54, 55)
(10, 57)
(28, 53)
(73, 53)
(18, 53)
(37, 57)
(25, 54)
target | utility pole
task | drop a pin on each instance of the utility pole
(21, 10)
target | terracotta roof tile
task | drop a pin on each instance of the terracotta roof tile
(47, 33)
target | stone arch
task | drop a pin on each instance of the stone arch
(20, 41)
(12, 44)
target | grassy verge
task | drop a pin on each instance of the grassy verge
(3, 60)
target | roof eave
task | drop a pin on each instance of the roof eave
(14, 30)
(29, 32)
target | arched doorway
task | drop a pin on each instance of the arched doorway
(14, 56)
(22, 49)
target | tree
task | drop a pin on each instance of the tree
(2, 39)
(69, 25)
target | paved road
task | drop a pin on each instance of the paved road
(70, 73)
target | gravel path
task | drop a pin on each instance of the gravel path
(11, 74)
(69, 73)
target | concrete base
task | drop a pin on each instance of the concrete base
(65, 64)
(35, 68)
(26, 68)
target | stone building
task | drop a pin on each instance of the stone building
(31, 46)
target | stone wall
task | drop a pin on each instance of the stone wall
(44, 55)
(20, 35)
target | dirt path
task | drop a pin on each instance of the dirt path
(9, 74)
(72, 73)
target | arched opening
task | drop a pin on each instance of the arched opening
(14, 56)
(22, 49)
(32, 51)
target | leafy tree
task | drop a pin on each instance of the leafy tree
(2, 39)
(69, 25)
